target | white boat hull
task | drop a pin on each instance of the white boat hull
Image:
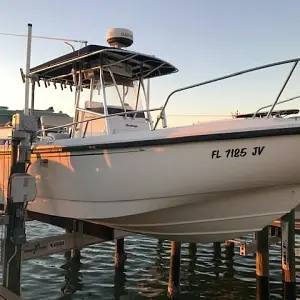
(201, 222)
(173, 191)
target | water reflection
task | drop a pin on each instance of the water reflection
(73, 278)
(156, 286)
(228, 262)
(120, 282)
(217, 259)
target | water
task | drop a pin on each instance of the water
(146, 272)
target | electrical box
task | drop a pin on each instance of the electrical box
(24, 123)
(23, 188)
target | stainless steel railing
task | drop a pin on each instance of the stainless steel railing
(294, 61)
(99, 116)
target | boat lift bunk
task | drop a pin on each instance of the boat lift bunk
(101, 70)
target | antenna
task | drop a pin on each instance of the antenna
(27, 71)
(46, 38)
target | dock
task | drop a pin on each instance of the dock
(297, 225)
(89, 233)
(6, 294)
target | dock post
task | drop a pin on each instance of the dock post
(262, 264)
(288, 255)
(75, 253)
(193, 248)
(15, 236)
(229, 254)
(229, 250)
(174, 276)
(217, 258)
(68, 253)
(120, 255)
(15, 231)
(217, 250)
(160, 241)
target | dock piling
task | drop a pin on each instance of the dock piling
(14, 233)
(288, 255)
(75, 253)
(193, 248)
(229, 250)
(262, 265)
(174, 275)
(68, 253)
(217, 250)
(23, 127)
(120, 255)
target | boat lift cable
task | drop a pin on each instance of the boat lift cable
(46, 38)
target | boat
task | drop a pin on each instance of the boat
(115, 165)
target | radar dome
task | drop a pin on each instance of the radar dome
(119, 37)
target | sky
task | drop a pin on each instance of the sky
(203, 39)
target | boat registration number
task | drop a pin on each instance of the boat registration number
(237, 152)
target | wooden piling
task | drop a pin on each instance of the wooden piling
(217, 258)
(262, 265)
(193, 248)
(288, 256)
(120, 255)
(15, 232)
(229, 250)
(174, 275)
(75, 253)
(217, 250)
(192, 258)
(229, 255)
(68, 253)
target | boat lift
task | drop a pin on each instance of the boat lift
(22, 189)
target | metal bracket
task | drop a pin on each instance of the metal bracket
(251, 246)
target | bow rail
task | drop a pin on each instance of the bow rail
(279, 63)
